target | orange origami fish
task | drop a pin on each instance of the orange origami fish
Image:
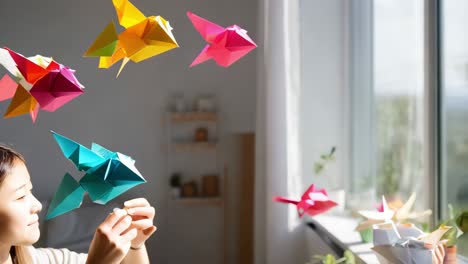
(143, 38)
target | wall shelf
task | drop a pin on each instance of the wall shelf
(194, 146)
(193, 116)
(200, 201)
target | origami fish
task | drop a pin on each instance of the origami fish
(108, 175)
(39, 83)
(401, 213)
(143, 38)
(313, 202)
(226, 45)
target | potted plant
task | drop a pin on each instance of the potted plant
(456, 243)
(462, 240)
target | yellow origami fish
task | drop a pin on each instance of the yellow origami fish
(143, 38)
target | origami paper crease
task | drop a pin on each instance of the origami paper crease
(108, 175)
(143, 37)
(226, 45)
(313, 202)
(38, 83)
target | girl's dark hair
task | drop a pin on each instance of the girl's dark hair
(8, 156)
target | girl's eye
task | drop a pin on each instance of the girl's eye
(22, 197)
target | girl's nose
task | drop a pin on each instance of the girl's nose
(37, 206)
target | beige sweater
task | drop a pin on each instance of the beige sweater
(56, 256)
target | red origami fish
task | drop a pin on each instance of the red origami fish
(47, 85)
(313, 202)
(227, 45)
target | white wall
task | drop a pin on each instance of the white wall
(124, 114)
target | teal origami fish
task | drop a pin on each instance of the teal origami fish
(108, 175)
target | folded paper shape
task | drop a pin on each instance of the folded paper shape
(226, 45)
(22, 102)
(41, 83)
(383, 215)
(143, 37)
(402, 213)
(313, 202)
(7, 88)
(68, 196)
(399, 244)
(108, 175)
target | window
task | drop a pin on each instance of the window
(399, 89)
(388, 93)
(454, 101)
(368, 85)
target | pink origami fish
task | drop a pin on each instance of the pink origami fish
(227, 45)
(47, 85)
(313, 202)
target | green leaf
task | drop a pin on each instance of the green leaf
(332, 151)
(349, 256)
(329, 259)
(318, 167)
(462, 222)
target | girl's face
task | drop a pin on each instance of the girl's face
(18, 208)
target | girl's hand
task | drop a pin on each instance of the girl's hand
(112, 239)
(142, 214)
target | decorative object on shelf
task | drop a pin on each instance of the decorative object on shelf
(205, 104)
(175, 185)
(189, 189)
(201, 134)
(180, 106)
(210, 186)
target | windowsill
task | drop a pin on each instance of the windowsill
(338, 231)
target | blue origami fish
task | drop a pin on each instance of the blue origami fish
(108, 175)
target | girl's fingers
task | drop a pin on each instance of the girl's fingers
(113, 218)
(122, 225)
(136, 202)
(150, 231)
(142, 224)
(130, 235)
(142, 211)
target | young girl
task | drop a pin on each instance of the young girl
(119, 239)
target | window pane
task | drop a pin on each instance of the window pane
(454, 104)
(398, 38)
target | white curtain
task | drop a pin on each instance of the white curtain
(279, 236)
